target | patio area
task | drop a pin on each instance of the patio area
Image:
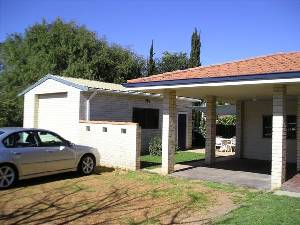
(240, 172)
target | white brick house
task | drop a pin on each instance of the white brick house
(266, 91)
(59, 103)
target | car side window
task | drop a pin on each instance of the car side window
(21, 140)
(48, 139)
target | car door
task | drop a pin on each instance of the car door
(61, 154)
(23, 147)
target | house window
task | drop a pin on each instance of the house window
(104, 129)
(147, 118)
(267, 126)
(290, 126)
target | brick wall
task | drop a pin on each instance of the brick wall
(116, 148)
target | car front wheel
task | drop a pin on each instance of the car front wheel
(8, 176)
(87, 165)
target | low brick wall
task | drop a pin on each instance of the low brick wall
(119, 143)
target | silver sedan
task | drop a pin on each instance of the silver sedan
(27, 153)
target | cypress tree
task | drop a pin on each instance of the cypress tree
(151, 63)
(195, 50)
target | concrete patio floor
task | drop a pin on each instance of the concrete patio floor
(229, 170)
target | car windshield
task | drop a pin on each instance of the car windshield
(1, 132)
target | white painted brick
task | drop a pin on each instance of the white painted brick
(298, 133)
(115, 149)
(168, 131)
(278, 170)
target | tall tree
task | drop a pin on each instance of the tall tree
(58, 48)
(151, 63)
(195, 50)
(172, 61)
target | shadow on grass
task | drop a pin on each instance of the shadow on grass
(58, 177)
(149, 165)
(67, 204)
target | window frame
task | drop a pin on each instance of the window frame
(17, 132)
(287, 118)
(64, 141)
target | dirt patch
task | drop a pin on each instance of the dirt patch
(112, 197)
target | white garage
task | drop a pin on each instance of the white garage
(53, 110)
(53, 105)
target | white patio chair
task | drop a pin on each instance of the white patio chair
(218, 143)
(232, 144)
(225, 145)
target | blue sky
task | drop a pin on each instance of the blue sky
(230, 29)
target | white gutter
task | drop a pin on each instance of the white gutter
(88, 105)
(217, 84)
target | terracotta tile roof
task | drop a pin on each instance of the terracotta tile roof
(275, 63)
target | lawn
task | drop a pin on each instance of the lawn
(139, 198)
(149, 161)
(113, 197)
(266, 209)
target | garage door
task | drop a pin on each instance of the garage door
(53, 112)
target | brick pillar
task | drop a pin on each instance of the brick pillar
(168, 131)
(210, 141)
(278, 172)
(298, 134)
(239, 129)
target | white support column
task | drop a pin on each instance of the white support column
(88, 106)
(210, 141)
(239, 129)
(298, 134)
(168, 131)
(278, 172)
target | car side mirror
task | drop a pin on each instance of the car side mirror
(68, 143)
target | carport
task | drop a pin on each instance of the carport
(265, 91)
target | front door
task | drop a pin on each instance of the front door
(182, 118)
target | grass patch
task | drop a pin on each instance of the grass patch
(147, 198)
(175, 189)
(198, 199)
(265, 209)
(239, 194)
(156, 179)
(149, 161)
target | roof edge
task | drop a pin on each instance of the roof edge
(245, 77)
(53, 77)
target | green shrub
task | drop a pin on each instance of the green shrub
(155, 147)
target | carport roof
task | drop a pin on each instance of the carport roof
(270, 66)
(92, 85)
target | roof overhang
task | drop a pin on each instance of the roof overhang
(226, 88)
(214, 81)
(50, 76)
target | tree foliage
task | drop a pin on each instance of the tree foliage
(227, 120)
(151, 68)
(58, 48)
(195, 50)
(172, 61)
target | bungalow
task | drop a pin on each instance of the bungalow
(266, 91)
(60, 103)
